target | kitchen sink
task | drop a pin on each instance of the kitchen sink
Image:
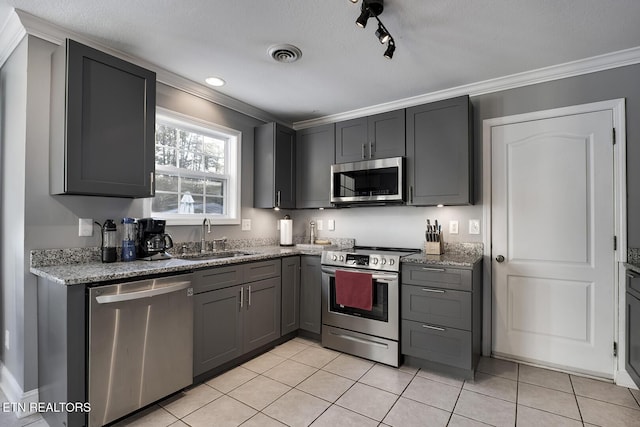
(212, 255)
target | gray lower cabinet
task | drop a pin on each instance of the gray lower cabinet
(236, 310)
(290, 320)
(315, 153)
(440, 153)
(102, 124)
(274, 167)
(310, 294)
(374, 137)
(632, 323)
(441, 317)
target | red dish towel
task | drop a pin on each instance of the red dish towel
(354, 289)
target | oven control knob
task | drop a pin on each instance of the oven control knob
(392, 261)
(341, 258)
(384, 261)
(335, 257)
(375, 261)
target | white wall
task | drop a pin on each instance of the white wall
(13, 110)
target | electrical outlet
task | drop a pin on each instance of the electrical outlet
(319, 225)
(6, 339)
(474, 226)
(331, 225)
(85, 227)
(453, 227)
(246, 224)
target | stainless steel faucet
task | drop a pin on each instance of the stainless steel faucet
(203, 247)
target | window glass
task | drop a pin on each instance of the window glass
(197, 171)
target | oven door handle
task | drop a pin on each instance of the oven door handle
(375, 276)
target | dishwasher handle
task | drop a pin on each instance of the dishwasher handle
(106, 299)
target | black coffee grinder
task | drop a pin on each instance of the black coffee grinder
(152, 241)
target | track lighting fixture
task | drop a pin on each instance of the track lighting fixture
(372, 9)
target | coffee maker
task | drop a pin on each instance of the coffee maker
(151, 240)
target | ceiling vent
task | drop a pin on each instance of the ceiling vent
(285, 53)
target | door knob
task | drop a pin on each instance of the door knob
(500, 258)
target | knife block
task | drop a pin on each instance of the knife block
(434, 248)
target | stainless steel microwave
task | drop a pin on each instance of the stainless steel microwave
(379, 181)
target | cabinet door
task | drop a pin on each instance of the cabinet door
(440, 153)
(315, 153)
(310, 294)
(274, 166)
(218, 327)
(632, 323)
(386, 135)
(290, 320)
(262, 313)
(110, 125)
(351, 140)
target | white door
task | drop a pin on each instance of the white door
(552, 216)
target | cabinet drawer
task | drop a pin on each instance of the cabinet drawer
(437, 277)
(443, 345)
(633, 283)
(633, 337)
(261, 270)
(442, 307)
(216, 278)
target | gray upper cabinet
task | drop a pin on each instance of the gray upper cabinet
(440, 153)
(102, 124)
(373, 137)
(274, 167)
(315, 153)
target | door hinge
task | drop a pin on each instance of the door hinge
(615, 349)
(615, 243)
(614, 136)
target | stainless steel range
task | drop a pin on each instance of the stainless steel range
(361, 302)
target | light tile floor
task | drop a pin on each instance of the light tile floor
(299, 383)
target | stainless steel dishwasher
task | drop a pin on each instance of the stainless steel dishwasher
(140, 344)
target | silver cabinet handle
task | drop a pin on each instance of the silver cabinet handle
(435, 291)
(278, 198)
(241, 297)
(371, 150)
(439, 270)
(249, 296)
(632, 274)
(152, 178)
(148, 293)
(363, 155)
(435, 328)
(411, 194)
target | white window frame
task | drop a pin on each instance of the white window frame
(233, 162)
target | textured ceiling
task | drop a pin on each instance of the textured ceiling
(440, 44)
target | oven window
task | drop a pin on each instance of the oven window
(379, 311)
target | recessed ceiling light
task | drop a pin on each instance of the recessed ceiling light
(215, 81)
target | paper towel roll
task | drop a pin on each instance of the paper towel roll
(286, 232)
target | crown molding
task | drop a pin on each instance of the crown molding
(11, 34)
(555, 72)
(21, 23)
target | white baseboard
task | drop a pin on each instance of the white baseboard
(623, 379)
(15, 395)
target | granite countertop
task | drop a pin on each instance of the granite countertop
(94, 272)
(633, 260)
(68, 267)
(448, 259)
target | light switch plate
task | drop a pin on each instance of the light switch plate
(474, 226)
(331, 225)
(246, 224)
(319, 225)
(85, 227)
(453, 227)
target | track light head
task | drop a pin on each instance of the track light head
(382, 34)
(390, 49)
(363, 18)
(354, 1)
